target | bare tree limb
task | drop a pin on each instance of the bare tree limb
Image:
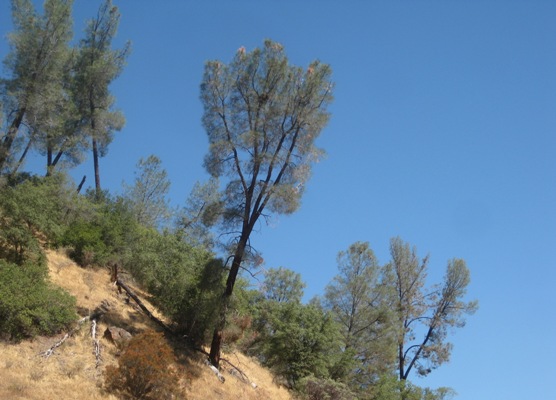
(69, 334)
(96, 344)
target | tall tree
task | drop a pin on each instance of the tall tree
(56, 130)
(359, 302)
(64, 141)
(424, 317)
(148, 194)
(97, 66)
(39, 52)
(262, 116)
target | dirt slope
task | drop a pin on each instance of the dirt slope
(70, 373)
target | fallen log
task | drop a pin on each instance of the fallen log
(122, 285)
(238, 372)
(216, 372)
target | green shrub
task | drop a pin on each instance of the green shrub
(85, 240)
(186, 281)
(101, 230)
(312, 388)
(144, 370)
(30, 209)
(295, 340)
(29, 305)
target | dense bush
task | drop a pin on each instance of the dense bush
(31, 209)
(29, 305)
(186, 281)
(85, 240)
(144, 370)
(296, 340)
(101, 230)
(311, 388)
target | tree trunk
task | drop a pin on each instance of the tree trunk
(401, 365)
(57, 158)
(22, 158)
(216, 344)
(96, 166)
(8, 141)
(81, 183)
(49, 166)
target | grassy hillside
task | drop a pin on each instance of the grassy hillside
(70, 372)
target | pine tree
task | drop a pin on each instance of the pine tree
(262, 116)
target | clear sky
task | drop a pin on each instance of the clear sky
(443, 132)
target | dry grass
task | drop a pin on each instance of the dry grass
(70, 372)
(207, 387)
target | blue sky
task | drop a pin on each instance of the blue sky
(443, 132)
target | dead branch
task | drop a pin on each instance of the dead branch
(236, 371)
(241, 375)
(96, 344)
(95, 315)
(121, 284)
(69, 334)
(215, 370)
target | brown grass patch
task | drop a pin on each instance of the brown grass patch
(70, 372)
(207, 385)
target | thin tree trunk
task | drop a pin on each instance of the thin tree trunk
(401, 365)
(57, 158)
(52, 161)
(49, 166)
(8, 141)
(22, 158)
(96, 166)
(81, 184)
(216, 344)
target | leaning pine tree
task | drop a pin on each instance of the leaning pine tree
(262, 116)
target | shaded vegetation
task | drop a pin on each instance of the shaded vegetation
(31, 306)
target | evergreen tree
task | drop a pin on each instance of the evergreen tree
(262, 116)
(424, 317)
(283, 285)
(97, 65)
(359, 302)
(37, 65)
(148, 194)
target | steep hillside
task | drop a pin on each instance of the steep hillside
(70, 372)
